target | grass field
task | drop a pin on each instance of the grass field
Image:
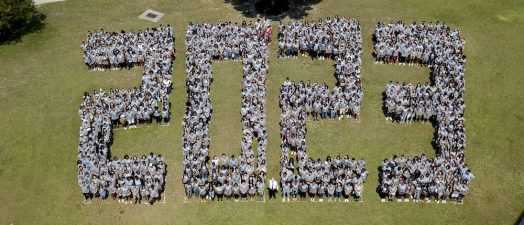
(42, 79)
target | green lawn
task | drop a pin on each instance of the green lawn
(42, 79)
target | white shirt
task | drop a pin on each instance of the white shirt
(273, 185)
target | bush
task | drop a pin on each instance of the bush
(18, 17)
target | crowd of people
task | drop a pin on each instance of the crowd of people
(338, 39)
(116, 50)
(443, 100)
(326, 39)
(440, 48)
(130, 179)
(337, 180)
(343, 35)
(424, 180)
(135, 179)
(406, 95)
(230, 177)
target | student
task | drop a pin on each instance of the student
(260, 189)
(93, 189)
(154, 196)
(359, 188)
(135, 191)
(188, 188)
(236, 192)
(330, 192)
(294, 189)
(338, 191)
(87, 192)
(303, 190)
(244, 188)
(252, 191)
(103, 193)
(402, 191)
(201, 192)
(286, 191)
(321, 192)
(228, 191)
(313, 189)
(219, 189)
(210, 190)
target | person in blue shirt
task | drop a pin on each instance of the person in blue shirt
(86, 192)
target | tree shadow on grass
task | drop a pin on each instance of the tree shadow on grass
(274, 9)
(520, 220)
(22, 27)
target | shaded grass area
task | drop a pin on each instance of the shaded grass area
(19, 18)
(274, 9)
(42, 79)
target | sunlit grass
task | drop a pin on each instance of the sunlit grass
(42, 80)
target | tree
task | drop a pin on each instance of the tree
(276, 9)
(18, 17)
(272, 7)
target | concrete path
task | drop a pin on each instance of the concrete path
(40, 2)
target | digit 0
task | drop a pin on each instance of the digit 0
(241, 178)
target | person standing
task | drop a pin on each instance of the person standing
(273, 188)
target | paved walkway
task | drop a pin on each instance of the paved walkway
(40, 2)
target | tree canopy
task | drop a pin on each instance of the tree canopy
(295, 9)
(18, 17)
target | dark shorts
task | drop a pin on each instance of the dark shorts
(87, 195)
